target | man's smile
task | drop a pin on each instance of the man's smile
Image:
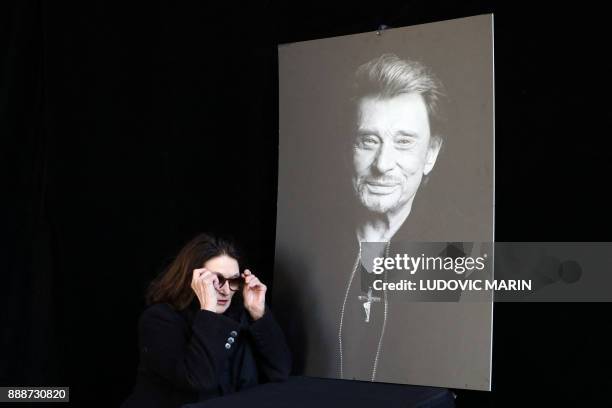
(381, 188)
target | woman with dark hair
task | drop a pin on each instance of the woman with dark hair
(207, 330)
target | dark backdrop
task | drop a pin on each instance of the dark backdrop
(126, 128)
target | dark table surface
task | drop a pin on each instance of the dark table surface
(311, 392)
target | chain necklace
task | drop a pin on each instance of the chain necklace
(382, 332)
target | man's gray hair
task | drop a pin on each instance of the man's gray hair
(388, 76)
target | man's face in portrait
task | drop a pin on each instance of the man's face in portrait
(392, 151)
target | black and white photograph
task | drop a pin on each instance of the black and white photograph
(386, 140)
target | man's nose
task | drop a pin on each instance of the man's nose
(385, 159)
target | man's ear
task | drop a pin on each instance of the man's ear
(435, 144)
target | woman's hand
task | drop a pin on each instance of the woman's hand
(254, 294)
(203, 284)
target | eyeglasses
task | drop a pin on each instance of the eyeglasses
(234, 283)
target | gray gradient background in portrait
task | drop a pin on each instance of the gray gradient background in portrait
(438, 344)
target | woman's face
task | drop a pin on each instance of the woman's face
(228, 268)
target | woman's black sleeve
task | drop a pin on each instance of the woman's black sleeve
(271, 347)
(190, 361)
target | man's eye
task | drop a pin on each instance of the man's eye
(368, 141)
(404, 142)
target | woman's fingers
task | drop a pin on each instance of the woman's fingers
(253, 282)
(196, 274)
(203, 284)
(210, 278)
(195, 280)
(203, 276)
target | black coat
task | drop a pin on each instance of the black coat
(188, 356)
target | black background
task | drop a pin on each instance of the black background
(126, 128)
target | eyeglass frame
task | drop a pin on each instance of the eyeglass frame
(222, 279)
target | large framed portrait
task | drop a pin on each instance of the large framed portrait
(386, 141)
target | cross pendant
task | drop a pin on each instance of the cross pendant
(368, 303)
